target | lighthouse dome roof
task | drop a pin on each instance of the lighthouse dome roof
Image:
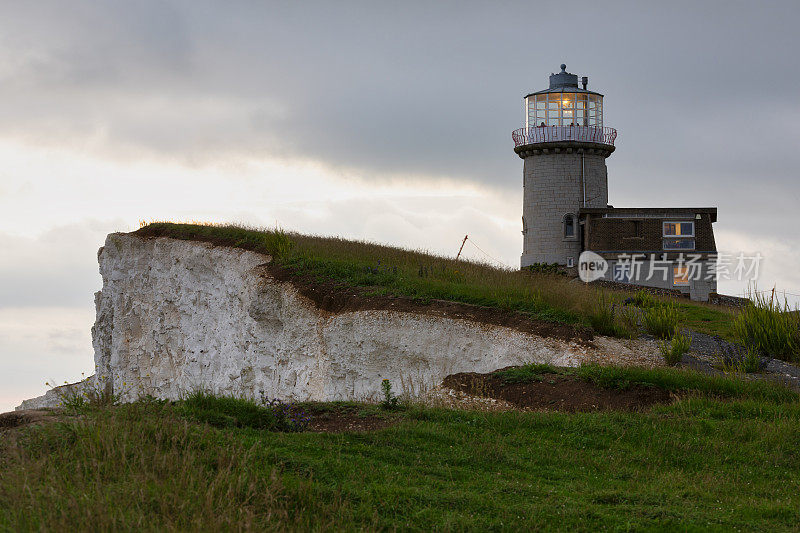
(564, 81)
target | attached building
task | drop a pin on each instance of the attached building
(670, 248)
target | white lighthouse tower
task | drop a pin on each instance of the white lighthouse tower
(564, 146)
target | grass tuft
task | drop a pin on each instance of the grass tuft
(673, 350)
(644, 299)
(662, 320)
(767, 327)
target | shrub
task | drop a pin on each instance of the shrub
(661, 320)
(287, 418)
(390, 401)
(673, 350)
(544, 268)
(769, 328)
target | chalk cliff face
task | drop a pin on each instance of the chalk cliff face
(175, 316)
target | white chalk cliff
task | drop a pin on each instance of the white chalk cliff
(174, 316)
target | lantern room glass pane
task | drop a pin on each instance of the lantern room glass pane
(564, 109)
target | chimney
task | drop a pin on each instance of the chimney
(585, 81)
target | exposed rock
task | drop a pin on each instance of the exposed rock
(175, 316)
(55, 396)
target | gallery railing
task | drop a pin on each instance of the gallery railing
(545, 134)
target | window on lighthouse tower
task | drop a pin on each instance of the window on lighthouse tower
(569, 226)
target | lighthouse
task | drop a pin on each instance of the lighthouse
(564, 145)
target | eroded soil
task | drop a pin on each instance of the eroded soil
(557, 392)
(338, 418)
(338, 422)
(339, 298)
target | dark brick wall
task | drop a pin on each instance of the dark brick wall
(642, 235)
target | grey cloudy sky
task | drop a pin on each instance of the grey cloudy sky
(386, 121)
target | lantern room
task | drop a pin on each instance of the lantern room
(564, 103)
(564, 112)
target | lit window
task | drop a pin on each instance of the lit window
(678, 235)
(678, 229)
(680, 276)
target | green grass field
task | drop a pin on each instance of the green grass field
(416, 274)
(723, 457)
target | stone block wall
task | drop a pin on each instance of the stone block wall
(553, 189)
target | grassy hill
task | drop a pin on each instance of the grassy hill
(383, 270)
(723, 456)
(695, 452)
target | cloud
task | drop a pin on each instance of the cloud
(39, 344)
(777, 268)
(431, 89)
(56, 268)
